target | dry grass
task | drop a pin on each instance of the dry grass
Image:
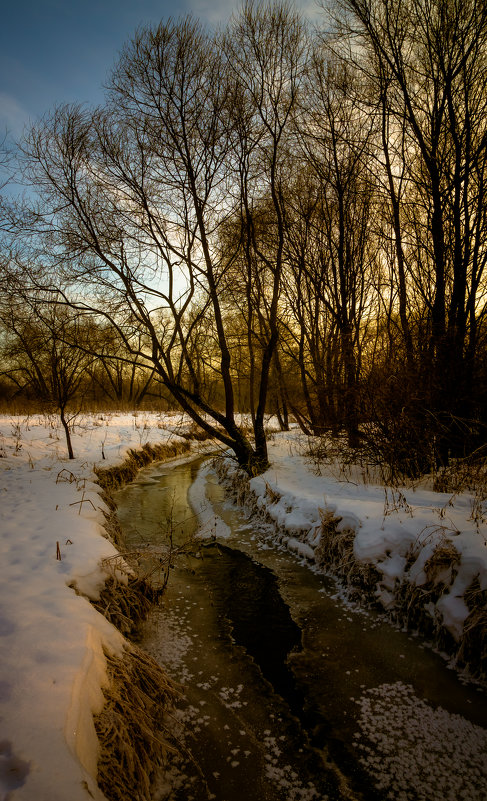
(236, 482)
(130, 728)
(415, 603)
(136, 581)
(440, 567)
(271, 494)
(473, 649)
(469, 473)
(336, 551)
(111, 478)
(126, 605)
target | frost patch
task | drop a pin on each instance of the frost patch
(416, 753)
(284, 776)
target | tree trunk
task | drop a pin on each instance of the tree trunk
(67, 432)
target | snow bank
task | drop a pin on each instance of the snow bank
(210, 525)
(394, 538)
(52, 641)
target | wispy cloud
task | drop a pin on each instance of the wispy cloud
(13, 116)
(219, 11)
(214, 11)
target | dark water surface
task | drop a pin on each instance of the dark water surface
(289, 693)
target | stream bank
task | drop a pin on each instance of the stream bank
(419, 569)
(299, 696)
(131, 727)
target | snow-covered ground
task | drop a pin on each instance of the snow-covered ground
(51, 536)
(51, 639)
(396, 530)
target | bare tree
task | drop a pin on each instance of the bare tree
(266, 51)
(135, 195)
(427, 63)
(333, 265)
(47, 352)
(122, 378)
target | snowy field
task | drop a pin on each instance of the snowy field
(51, 640)
(51, 656)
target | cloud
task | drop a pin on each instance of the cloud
(214, 11)
(219, 11)
(13, 116)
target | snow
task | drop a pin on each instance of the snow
(303, 550)
(52, 665)
(389, 525)
(210, 525)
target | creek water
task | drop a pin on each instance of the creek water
(289, 692)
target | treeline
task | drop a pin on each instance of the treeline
(279, 219)
(54, 357)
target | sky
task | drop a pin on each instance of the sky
(57, 51)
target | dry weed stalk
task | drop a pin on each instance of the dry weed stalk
(66, 475)
(272, 494)
(395, 502)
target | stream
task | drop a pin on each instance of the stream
(290, 692)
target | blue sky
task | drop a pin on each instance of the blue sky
(55, 51)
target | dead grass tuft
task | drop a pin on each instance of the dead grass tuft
(111, 478)
(126, 605)
(469, 473)
(236, 481)
(415, 604)
(440, 567)
(130, 728)
(473, 648)
(335, 551)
